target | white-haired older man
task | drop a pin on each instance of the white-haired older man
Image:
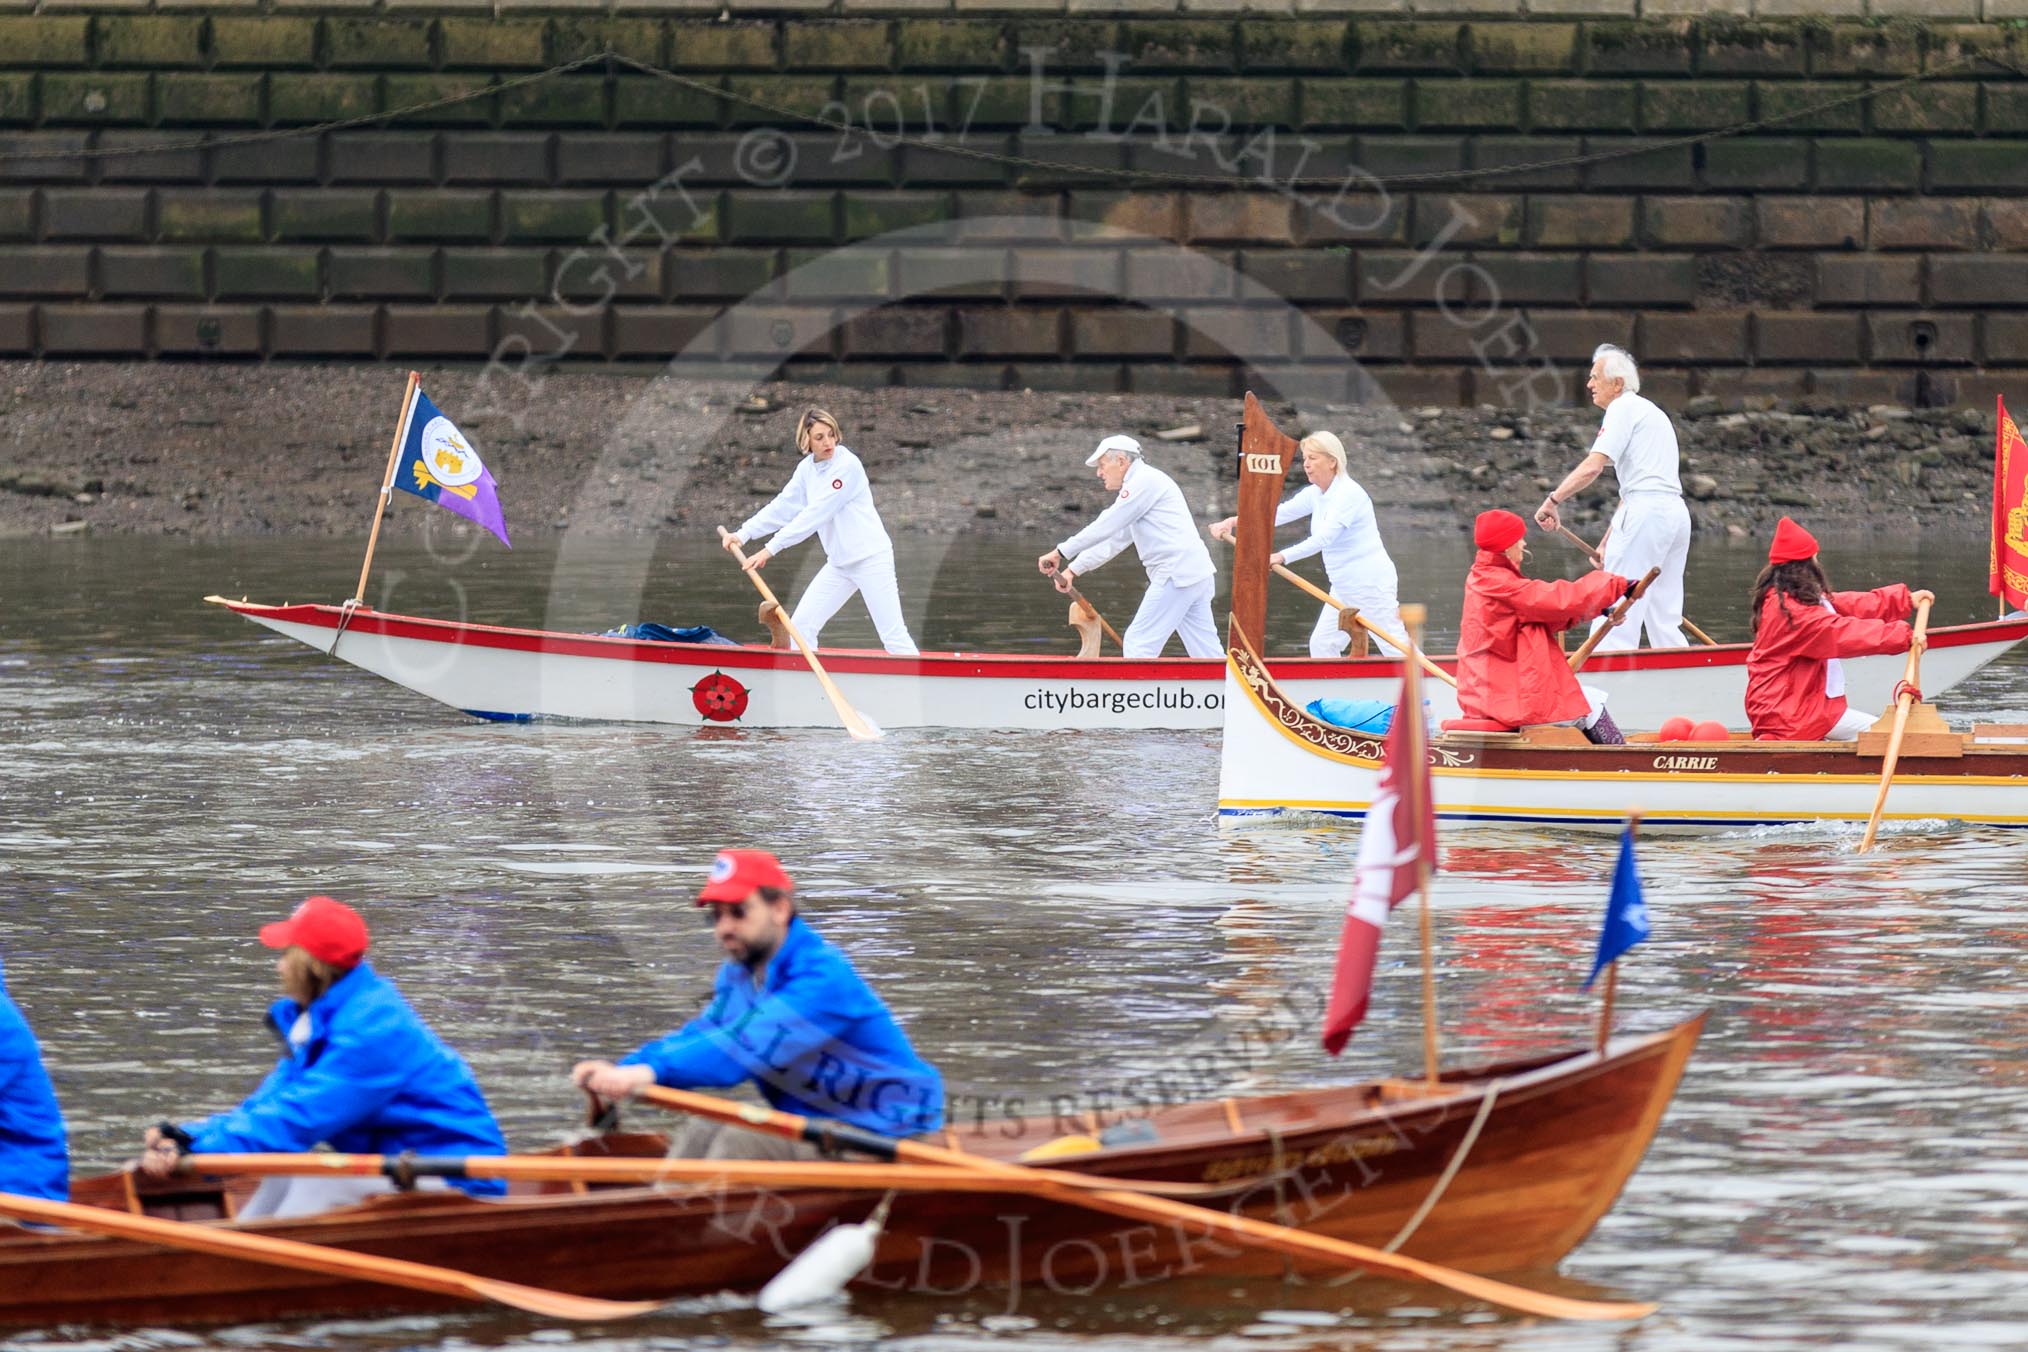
(1651, 528)
(1148, 513)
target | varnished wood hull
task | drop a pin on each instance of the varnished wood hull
(1546, 1157)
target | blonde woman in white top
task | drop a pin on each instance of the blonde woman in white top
(1344, 530)
(828, 496)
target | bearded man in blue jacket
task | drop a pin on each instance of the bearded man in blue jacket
(789, 1014)
(362, 1073)
(34, 1154)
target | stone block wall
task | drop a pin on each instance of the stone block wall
(1078, 200)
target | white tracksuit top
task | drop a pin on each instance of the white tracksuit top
(1344, 530)
(1149, 514)
(833, 501)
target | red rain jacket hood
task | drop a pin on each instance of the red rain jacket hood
(1510, 669)
(1785, 671)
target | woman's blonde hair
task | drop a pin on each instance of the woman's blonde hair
(1325, 443)
(811, 417)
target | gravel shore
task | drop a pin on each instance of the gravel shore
(216, 450)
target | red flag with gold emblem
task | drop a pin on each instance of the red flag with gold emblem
(2008, 578)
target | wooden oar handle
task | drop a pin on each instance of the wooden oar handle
(1398, 644)
(1234, 1225)
(1091, 613)
(857, 726)
(1597, 558)
(1618, 613)
(1906, 696)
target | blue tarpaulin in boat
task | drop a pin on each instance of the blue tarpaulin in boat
(662, 633)
(1360, 715)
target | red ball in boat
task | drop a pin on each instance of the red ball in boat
(1710, 730)
(1675, 729)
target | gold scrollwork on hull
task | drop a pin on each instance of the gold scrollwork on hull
(1326, 737)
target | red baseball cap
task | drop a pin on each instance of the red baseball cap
(1497, 530)
(1791, 544)
(736, 873)
(328, 930)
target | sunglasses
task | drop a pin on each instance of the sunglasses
(735, 909)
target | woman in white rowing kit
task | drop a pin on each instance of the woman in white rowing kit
(1343, 529)
(828, 496)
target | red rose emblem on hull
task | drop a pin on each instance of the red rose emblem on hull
(719, 698)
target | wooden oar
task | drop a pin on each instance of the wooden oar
(1242, 1229)
(1905, 696)
(1399, 645)
(659, 1169)
(860, 728)
(223, 1242)
(1583, 653)
(1091, 612)
(1598, 561)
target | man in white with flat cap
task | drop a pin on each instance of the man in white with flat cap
(1149, 513)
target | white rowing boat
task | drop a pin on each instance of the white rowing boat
(509, 674)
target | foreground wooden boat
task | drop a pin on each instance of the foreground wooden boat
(1494, 1169)
(511, 674)
(1275, 758)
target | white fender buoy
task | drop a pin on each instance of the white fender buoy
(822, 1270)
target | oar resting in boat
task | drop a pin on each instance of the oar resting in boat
(808, 1032)
(221, 1242)
(1511, 673)
(1227, 1226)
(359, 1070)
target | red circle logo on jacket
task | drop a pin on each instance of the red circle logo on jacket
(837, 483)
(719, 698)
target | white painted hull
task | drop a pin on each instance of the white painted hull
(500, 673)
(1269, 767)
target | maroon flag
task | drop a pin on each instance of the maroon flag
(1397, 845)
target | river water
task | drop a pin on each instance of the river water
(1050, 914)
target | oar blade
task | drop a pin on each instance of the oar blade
(559, 1304)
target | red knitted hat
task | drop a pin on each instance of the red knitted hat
(1791, 543)
(1497, 529)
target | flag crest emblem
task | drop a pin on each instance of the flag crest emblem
(440, 464)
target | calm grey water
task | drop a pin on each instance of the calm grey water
(1050, 914)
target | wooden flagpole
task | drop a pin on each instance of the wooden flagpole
(386, 484)
(1612, 986)
(1605, 1011)
(1416, 772)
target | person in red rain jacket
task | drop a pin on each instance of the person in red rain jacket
(1795, 684)
(1510, 669)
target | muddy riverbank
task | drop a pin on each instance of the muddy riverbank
(214, 451)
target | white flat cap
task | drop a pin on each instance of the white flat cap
(1124, 445)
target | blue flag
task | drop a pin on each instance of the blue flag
(437, 463)
(1626, 919)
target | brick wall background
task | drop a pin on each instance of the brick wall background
(1874, 250)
